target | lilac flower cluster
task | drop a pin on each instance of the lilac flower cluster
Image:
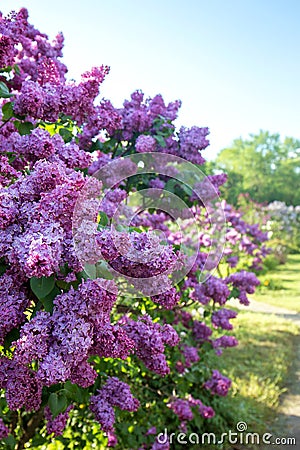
(243, 238)
(64, 333)
(221, 318)
(182, 408)
(56, 425)
(23, 388)
(150, 339)
(145, 144)
(4, 431)
(190, 356)
(218, 384)
(245, 282)
(214, 288)
(168, 299)
(146, 257)
(114, 393)
(224, 342)
(142, 120)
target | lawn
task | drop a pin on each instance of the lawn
(281, 287)
(258, 367)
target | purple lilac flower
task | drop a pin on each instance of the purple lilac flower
(83, 374)
(216, 289)
(103, 412)
(117, 393)
(218, 384)
(112, 439)
(190, 354)
(56, 425)
(114, 393)
(192, 141)
(145, 144)
(150, 338)
(221, 318)
(168, 299)
(34, 339)
(112, 341)
(4, 431)
(245, 282)
(156, 183)
(161, 446)
(182, 409)
(23, 389)
(199, 295)
(224, 342)
(13, 302)
(201, 331)
(206, 411)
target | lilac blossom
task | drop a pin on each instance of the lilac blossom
(218, 384)
(220, 318)
(4, 431)
(56, 425)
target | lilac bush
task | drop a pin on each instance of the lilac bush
(75, 346)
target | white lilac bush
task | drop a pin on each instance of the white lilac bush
(284, 222)
(108, 311)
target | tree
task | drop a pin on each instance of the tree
(264, 166)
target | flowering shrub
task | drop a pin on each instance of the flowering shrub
(77, 343)
(283, 226)
(279, 221)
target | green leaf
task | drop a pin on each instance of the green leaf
(234, 293)
(99, 270)
(23, 127)
(97, 145)
(160, 140)
(57, 403)
(7, 111)
(187, 189)
(48, 300)
(12, 336)
(17, 69)
(102, 271)
(74, 392)
(38, 440)
(41, 287)
(102, 219)
(10, 441)
(4, 91)
(66, 134)
(90, 271)
(170, 185)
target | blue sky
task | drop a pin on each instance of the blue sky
(234, 63)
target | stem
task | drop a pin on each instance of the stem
(30, 429)
(5, 122)
(14, 421)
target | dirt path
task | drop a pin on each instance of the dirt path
(288, 422)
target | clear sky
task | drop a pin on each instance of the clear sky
(235, 64)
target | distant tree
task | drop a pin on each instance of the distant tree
(263, 166)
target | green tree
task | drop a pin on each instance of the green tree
(264, 166)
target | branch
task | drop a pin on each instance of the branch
(30, 429)
(6, 121)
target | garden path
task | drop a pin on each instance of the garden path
(288, 421)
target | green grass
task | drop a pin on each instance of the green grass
(286, 279)
(258, 368)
